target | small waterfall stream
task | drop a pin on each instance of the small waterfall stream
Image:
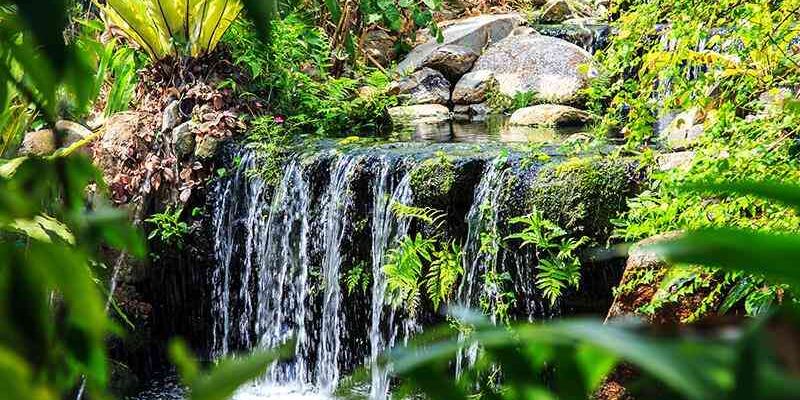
(284, 252)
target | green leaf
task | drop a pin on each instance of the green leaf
(221, 383)
(786, 193)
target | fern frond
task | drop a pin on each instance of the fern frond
(431, 216)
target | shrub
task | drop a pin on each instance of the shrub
(172, 28)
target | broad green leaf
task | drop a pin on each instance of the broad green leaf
(224, 379)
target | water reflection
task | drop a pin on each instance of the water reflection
(493, 129)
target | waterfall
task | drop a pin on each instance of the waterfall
(337, 199)
(284, 250)
(385, 228)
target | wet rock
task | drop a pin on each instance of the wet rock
(683, 130)
(551, 115)
(549, 67)
(584, 33)
(473, 33)
(379, 45)
(583, 195)
(426, 86)
(452, 60)
(207, 147)
(472, 87)
(171, 116)
(474, 112)
(183, 139)
(419, 114)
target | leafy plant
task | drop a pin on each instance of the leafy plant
(431, 216)
(558, 265)
(168, 227)
(444, 271)
(403, 269)
(357, 278)
(173, 28)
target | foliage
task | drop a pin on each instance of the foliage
(570, 359)
(357, 278)
(444, 271)
(431, 216)
(168, 227)
(403, 269)
(221, 382)
(499, 102)
(293, 69)
(173, 28)
(558, 265)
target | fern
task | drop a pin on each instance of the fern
(431, 216)
(403, 270)
(444, 273)
(173, 27)
(357, 278)
(559, 267)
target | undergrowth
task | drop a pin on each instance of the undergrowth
(735, 61)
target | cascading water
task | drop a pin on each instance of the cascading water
(284, 253)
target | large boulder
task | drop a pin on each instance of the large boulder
(550, 115)
(451, 60)
(419, 114)
(552, 68)
(472, 87)
(472, 33)
(426, 86)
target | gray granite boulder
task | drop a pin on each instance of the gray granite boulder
(472, 33)
(426, 86)
(419, 114)
(554, 69)
(452, 60)
(472, 87)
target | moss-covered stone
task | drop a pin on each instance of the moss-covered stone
(432, 180)
(584, 195)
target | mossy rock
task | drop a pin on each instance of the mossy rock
(583, 195)
(433, 180)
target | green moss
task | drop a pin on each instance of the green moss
(432, 181)
(584, 195)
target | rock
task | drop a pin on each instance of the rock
(550, 115)
(451, 60)
(547, 66)
(73, 130)
(183, 139)
(171, 116)
(680, 159)
(473, 33)
(207, 147)
(426, 86)
(43, 142)
(419, 114)
(474, 112)
(379, 45)
(631, 295)
(472, 87)
(683, 130)
(555, 11)
(121, 139)
(38, 143)
(461, 112)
